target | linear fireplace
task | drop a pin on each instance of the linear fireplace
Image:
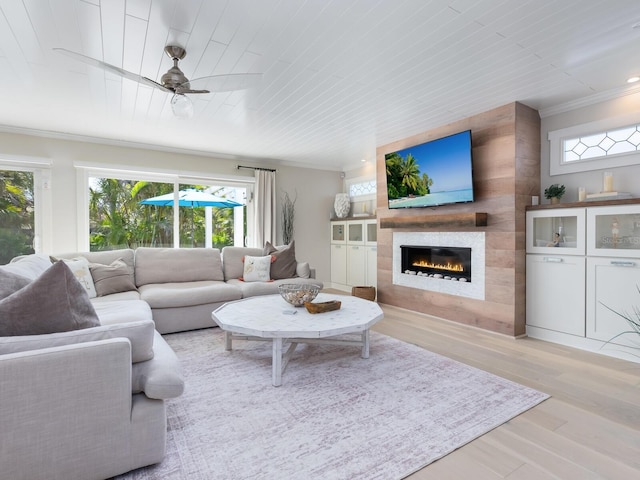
(448, 263)
(443, 262)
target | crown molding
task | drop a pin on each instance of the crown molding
(590, 100)
(159, 148)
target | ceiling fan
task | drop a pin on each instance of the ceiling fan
(174, 81)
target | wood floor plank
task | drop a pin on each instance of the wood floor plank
(588, 429)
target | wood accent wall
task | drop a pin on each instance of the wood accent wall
(506, 163)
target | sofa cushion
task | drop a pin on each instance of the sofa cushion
(168, 265)
(284, 265)
(62, 305)
(139, 333)
(113, 278)
(122, 311)
(29, 266)
(186, 294)
(257, 269)
(303, 270)
(232, 260)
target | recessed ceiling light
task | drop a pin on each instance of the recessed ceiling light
(363, 160)
(633, 79)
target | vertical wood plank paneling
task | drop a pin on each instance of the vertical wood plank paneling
(506, 146)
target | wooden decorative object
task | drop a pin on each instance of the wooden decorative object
(321, 307)
(368, 293)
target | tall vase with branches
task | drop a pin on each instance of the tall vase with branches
(288, 215)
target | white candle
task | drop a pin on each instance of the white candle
(582, 194)
(608, 182)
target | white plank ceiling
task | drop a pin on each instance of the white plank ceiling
(340, 76)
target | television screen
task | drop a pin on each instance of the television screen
(438, 172)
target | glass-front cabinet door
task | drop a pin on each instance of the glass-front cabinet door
(355, 233)
(556, 231)
(614, 231)
(338, 232)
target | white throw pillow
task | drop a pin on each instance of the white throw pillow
(257, 269)
(80, 268)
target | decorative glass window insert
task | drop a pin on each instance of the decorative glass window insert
(359, 189)
(612, 142)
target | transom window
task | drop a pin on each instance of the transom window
(358, 189)
(606, 143)
(612, 142)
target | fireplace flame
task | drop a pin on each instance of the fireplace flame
(449, 267)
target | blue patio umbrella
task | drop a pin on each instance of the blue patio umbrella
(191, 198)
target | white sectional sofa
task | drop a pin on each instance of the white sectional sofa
(90, 403)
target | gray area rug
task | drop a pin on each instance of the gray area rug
(336, 416)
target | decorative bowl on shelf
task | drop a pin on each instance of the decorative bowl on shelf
(297, 294)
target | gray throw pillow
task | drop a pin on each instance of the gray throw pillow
(285, 263)
(114, 278)
(11, 282)
(53, 302)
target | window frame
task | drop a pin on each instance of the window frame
(122, 172)
(42, 197)
(557, 165)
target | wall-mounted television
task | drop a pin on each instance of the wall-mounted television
(438, 172)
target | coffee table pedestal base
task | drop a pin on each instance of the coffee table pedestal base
(280, 358)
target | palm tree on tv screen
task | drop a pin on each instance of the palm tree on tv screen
(404, 177)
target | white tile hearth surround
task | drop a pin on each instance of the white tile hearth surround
(473, 240)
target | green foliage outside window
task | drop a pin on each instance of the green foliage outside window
(117, 220)
(16, 214)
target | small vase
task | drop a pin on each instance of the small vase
(342, 205)
(554, 200)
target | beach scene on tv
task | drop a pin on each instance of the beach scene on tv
(433, 173)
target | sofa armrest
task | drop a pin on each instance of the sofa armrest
(61, 403)
(160, 377)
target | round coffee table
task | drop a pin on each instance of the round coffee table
(270, 317)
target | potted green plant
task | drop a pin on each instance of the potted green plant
(554, 193)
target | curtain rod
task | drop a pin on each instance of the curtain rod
(256, 168)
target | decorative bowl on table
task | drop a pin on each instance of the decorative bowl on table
(297, 294)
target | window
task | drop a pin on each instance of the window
(17, 226)
(362, 188)
(598, 145)
(25, 207)
(134, 209)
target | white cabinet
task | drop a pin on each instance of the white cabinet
(612, 284)
(555, 293)
(583, 265)
(353, 253)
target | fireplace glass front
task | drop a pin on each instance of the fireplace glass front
(450, 263)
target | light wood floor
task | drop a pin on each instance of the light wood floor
(588, 429)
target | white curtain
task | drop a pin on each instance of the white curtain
(264, 223)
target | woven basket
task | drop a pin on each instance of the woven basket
(368, 293)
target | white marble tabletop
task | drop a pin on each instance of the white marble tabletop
(265, 316)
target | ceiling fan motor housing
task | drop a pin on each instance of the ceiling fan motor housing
(174, 77)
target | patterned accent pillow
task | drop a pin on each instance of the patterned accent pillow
(257, 269)
(80, 268)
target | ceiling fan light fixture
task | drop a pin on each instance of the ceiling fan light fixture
(182, 106)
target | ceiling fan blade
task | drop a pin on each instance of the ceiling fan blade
(112, 68)
(224, 83)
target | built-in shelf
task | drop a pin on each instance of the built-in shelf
(591, 203)
(473, 219)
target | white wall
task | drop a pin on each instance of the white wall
(316, 189)
(625, 178)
